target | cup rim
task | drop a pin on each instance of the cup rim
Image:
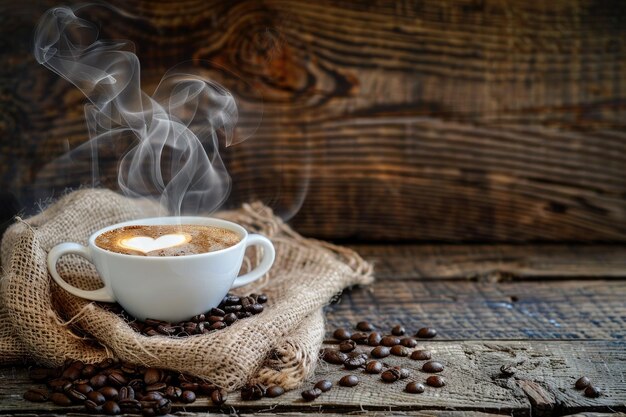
(153, 221)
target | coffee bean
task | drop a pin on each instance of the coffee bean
(399, 350)
(206, 388)
(311, 394)
(159, 386)
(374, 339)
(373, 367)
(39, 374)
(324, 385)
(404, 373)
(230, 300)
(349, 381)
(230, 318)
(592, 392)
(117, 379)
(252, 392)
(126, 393)
(88, 371)
(109, 393)
(390, 341)
(137, 384)
(92, 407)
(256, 308)
(218, 397)
(59, 384)
(147, 410)
(583, 383)
(217, 312)
(233, 309)
(359, 337)
(355, 360)
(60, 399)
(152, 396)
(364, 326)
(36, 395)
(426, 333)
(421, 355)
(436, 381)
(398, 330)
(96, 397)
(130, 406)
(98, 381)
(106, 363)
(83, 388)
(347, 346)
(342, 334)
(261, 298)
(111, 408)
(152, 376)
(215, 319)
(390, 375)
(173, 393)
(432, 367)
(408, 342)
(75, 396)
(219, 325)
(188, 396)
(380, 352)
(71, 373)
(274, 391)
(333, 356)
(189, 386)
(414, 388)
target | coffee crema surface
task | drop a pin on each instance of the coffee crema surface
(167, 240)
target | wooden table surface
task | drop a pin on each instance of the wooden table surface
(555, 312)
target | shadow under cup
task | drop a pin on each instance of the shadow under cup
(169, 288)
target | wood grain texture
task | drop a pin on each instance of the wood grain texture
(449, 120)
(494, 263)
(469, 310)
(474, 383)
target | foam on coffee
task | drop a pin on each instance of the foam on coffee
(194, 239)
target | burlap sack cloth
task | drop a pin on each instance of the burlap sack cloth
(279, 346)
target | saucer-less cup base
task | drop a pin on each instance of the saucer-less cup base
(170, 288)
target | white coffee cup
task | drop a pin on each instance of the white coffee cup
(170, 288)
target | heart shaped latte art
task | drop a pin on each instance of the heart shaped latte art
(147, 244)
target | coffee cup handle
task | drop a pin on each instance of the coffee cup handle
(101, 294)
(266, 263)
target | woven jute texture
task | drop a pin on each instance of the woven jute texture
(44, 324)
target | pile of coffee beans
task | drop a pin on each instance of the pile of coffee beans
(231, 309)
(584, 383)
(112, 387)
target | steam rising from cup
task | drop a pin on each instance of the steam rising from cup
(174, 134)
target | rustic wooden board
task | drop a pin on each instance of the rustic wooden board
(543, 382)
(495, 263)
(446, 120)
(469, 310)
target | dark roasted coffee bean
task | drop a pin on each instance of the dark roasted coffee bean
(96, 397)
(256, 308)
(324, 385)
(583, 383)
(218, 397)
(71, 373)
(349, 381)
(399, 350)
(153, 332)
(215, 319)
(390, 341)
(106, 363)
(244, 314)
(109, 393)
(130, 406)
(436, 381)
(117, 379)
(347, 346)
(173, 393)
(364, 326)
(88, 371)
(111, 408)
(128, 368)
(159, 386)
(359, 337)
(380, 352)
(261, 298)
(59, 398)
(92, 407)
(432, 367)
(311, 394)
(218, 325)
(206, 388)
(189, 386)
(374, 339)
(59, 384)
(188, 396)
(592, 392)
(421, 355)
(39, 374)
(126, 393)
(252, 392)
(233, 309)
(342, 334)
(333, 356)
(355, 360)
(373, 367)
(199, 318)
(408, 342)
(426, 333)
(166, 330)
(163, 407)
(81, 381)
(36, 395)
(404, 373)
(398, 330)
(274, 391)
(390, 375)
(75, 396)
(414, 388)
(217, 312)
(137, 384)
(152, 396)
(230, 318)
(147, 410)
(152, 376)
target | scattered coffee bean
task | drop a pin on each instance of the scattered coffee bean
(421, 355)
(426, 333)
(408, 342)
(218, 397)
(261, 298)
(252, 392)
(364, 326)
(404, 373)
(60, 399)
(374, 339)
(333, 356)
(380, 352)
(436, 381)
(324, 385)
(347, 346)
(398, 330)
(96, 397)
(36, 395)
(274, 391)
(75, 396)
(188, 396)
(414, 388)
(355, 360)
(373, 367)
(390, 375)
(349, 381)
(311, 394)
(342, 334)
(390, 341)
(592, 392)
(109, 393)
(359, 337)
(432, 367)
(583, 383)
(111, 408)
(399, 350)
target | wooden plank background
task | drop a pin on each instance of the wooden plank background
(441, 120)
